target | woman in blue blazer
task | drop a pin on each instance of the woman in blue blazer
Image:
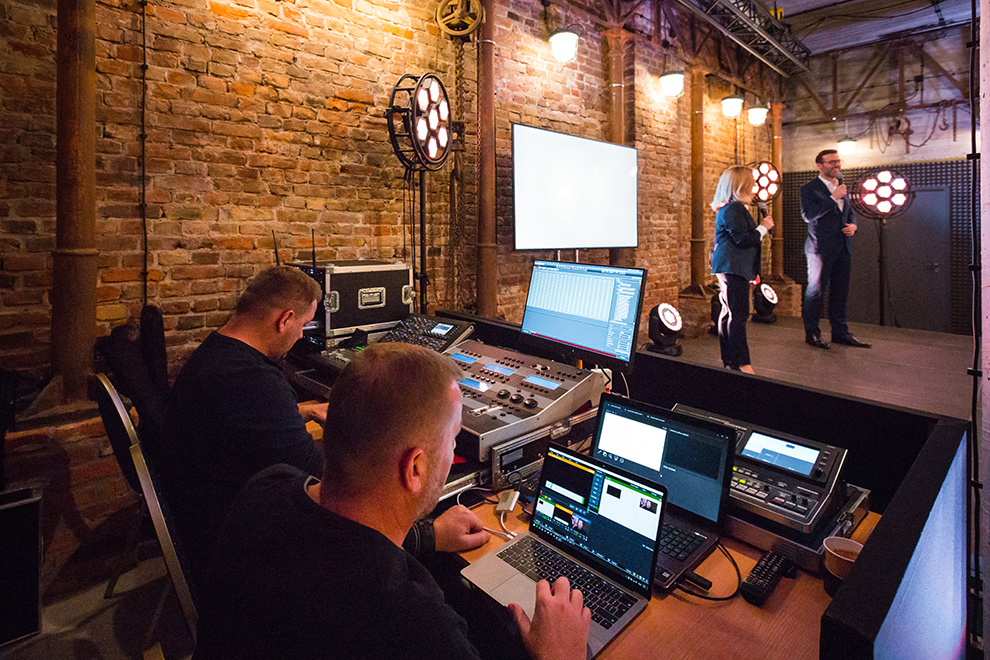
(736, 261)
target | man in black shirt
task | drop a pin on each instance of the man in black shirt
(308, 569)
(232, 413)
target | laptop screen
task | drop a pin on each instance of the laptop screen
(690, 457)
(600, 514)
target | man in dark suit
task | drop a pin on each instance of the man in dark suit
(826, 209)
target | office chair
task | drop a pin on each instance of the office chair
(122, 435)
(171, 551)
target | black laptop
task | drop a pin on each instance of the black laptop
(691, 457)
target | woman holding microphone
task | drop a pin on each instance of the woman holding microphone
(736, 261)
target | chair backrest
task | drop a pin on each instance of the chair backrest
(135, 358)
(120, 430)
(8, 401)
(170, 548)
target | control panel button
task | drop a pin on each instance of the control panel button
(502, 393)
(516, 398)
(530, 403)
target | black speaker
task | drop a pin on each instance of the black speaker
(20, 564)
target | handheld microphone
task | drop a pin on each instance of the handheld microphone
(839, 179)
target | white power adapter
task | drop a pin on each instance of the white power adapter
(608, 377)
(507, 501)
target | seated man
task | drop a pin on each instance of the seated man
(310, 569)
(232, 413)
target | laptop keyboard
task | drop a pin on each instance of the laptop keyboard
(606, 602)
(679, 543)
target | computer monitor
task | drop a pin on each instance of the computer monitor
(589, 311)
(905, 597)
(691, 457)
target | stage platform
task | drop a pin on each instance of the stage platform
(915, 369)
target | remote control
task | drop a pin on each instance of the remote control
(764, 577)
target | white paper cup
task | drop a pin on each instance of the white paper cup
(840, 553)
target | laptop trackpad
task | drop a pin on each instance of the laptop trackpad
(520, 590)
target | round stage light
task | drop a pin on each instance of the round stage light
(882, 194)
(764, 302)
(665, 329)
(765, 178)
(419, 122)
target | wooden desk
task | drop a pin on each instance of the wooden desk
(677, 625)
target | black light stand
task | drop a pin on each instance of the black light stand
(881, 195)
(418, 119)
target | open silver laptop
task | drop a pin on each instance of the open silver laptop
(691, 457)
(597, 525)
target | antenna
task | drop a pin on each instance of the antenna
(278, 262)
(312, 232)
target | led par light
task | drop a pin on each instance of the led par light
(766, 181)
(882, 194)
(764, 302)
(419, 122)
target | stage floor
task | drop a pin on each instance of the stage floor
(911, 368)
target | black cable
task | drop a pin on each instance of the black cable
(974, 515)
(735, 593)
(142, 204)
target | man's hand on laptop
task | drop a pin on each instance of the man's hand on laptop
(458, 529)
(559, 629)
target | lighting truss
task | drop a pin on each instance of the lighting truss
(750, 24)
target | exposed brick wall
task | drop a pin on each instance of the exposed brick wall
(268, 115)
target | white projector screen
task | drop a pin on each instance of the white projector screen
(572, 192)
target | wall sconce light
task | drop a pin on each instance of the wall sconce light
(732, 106)
(757, 115)
(563, 44)
(672, 83)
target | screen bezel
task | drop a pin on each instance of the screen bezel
(610, 572)
(564, 352)
(568, 245)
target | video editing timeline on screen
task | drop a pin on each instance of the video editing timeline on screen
(689, 459)
(599, 512)
(590, 307)
(506, 394)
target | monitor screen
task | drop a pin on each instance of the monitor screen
(596, 510)
(592, 308)
(572, 192)
(690, 457)
(905, 597)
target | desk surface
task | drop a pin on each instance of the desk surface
(676, 625)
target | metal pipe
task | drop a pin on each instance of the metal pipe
(698, 242)
(74, 259)
(487, 276)
(777, 207)
(617, 38)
